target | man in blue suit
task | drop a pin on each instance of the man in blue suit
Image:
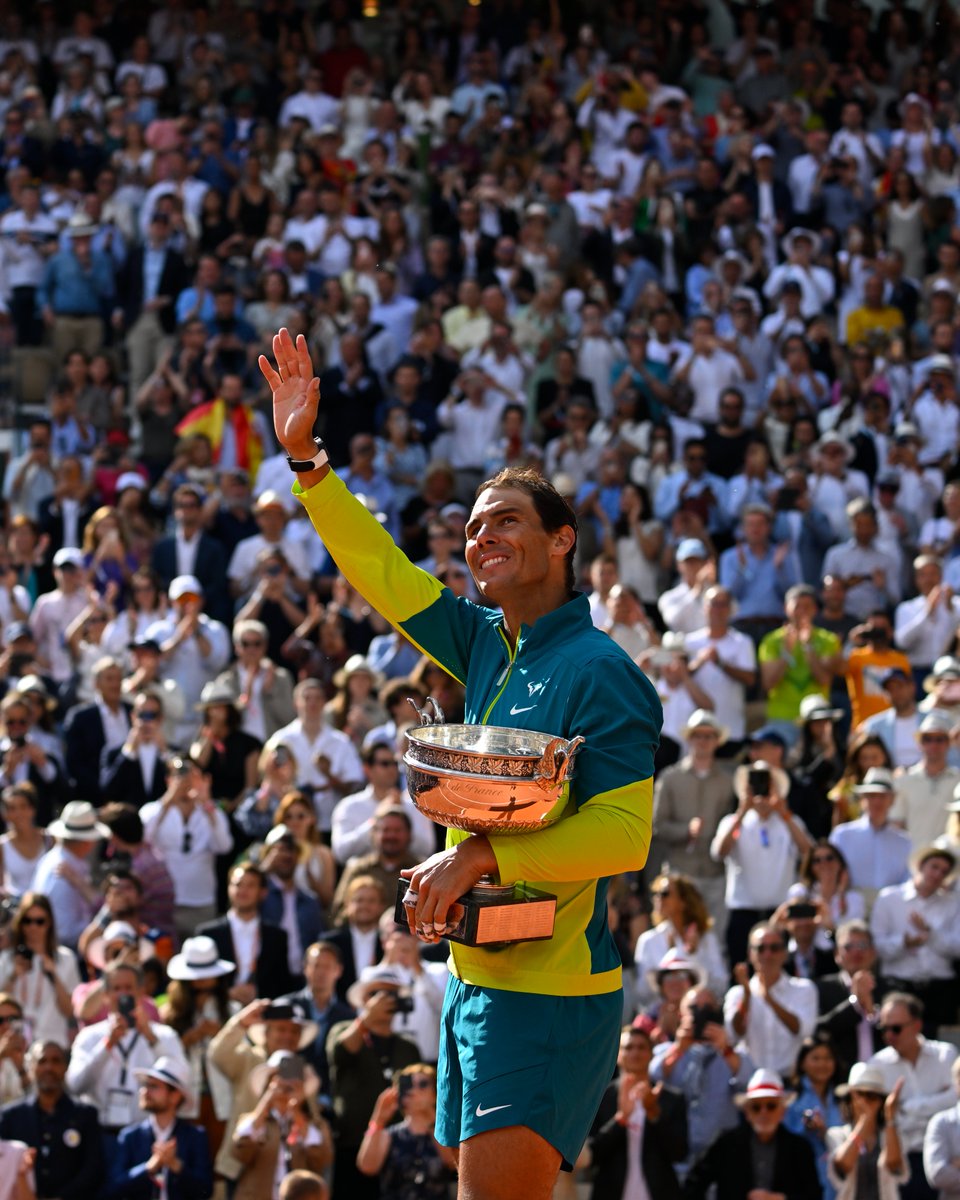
(287, 905)
(162, 1152)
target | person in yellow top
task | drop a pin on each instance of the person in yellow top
(873, 315)
(867, 664)
(529, 1031)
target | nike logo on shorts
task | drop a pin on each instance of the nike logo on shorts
(482, 1112)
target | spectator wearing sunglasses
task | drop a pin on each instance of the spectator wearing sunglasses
(760, 1158)
(925, 1066)
(187, 829)
(135, 772)
(37, 971)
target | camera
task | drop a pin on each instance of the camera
(403, 1002)
(24, 952)
(801, 912)
(19, 741)
(704, 1015)
(404, 1085)
(125, 1007)
(758, 781)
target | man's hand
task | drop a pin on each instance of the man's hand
(296, 394)
(439, 882)
(861, 987)
(253, 1013)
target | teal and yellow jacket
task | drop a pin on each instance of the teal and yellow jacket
(564, 677)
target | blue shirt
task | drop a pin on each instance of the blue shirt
(668, 498)
(877, 858)
(704, 1078)
(807, 1100)
(74, 291)
(757, 584)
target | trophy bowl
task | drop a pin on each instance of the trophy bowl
(486, 778)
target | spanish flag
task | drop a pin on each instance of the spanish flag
(209, 419)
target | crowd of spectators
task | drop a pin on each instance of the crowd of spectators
(699, 264)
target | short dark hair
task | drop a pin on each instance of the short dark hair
(125, 875)
(124, 822)
(323, 946)
(553, 510)
(369, 751)
(913, 1004)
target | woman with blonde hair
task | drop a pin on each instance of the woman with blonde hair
(316, 869)
(864, 750)
(680, 921)
(106, 553)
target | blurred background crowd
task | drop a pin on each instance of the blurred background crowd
(696, 261)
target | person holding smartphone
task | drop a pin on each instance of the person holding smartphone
(405, 1153)
(760, 845)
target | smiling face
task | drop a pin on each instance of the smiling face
(508, 550)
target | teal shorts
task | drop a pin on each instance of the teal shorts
(515, 1058)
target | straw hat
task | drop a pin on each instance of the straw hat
(676, 960)
(702, 718)
(817, 708)
(863, 1077)
(118, 931)
(283, 1010)
(173, 1072)
(779, 778)
(78, 823)
(877, 779)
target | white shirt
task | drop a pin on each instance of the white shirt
(353, 826)
(728, 696)
(186, 552)
(52, 614)
(38, 996)
(939, 425)
(927, 1086)
(708, 375)
(800, 179)
(317, 108)
(23, 261)
(104, 1076)
(473, 427)
(767, 1040)
(761, 864)
(116, 725)
(71, 912)
(816, 286)
(922, 635)
(654, 944)
(682, 609)
(590, 207)
(246, 945)
(364, 947)
(189, 668)
(332, 744)
(193, 871)
(921, 803)
(891, 925)
(243, 561)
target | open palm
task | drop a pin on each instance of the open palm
(296, 393)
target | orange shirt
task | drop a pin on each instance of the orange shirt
(865, 666)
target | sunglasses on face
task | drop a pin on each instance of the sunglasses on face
(757, 1106)
(149, 714)
(251, 645)
(822, 858)
(896, 1030)
(768, 948)
(34, 921)
(8, 1020)
(423, 1084)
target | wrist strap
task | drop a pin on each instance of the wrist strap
(374, 1127)
(302, 465)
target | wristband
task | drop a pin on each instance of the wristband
(374, 1127)
(302, 465)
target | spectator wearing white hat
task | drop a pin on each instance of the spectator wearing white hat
(801, 246)
(682, 607)
(55, 611)
(689, 800)
(760, 845)
(866, 1153)
(877, 852)
(926, 789)
(941, 1147)
(935, 412)
(169, 1151)
(916, 929)
(195, 648)
(63, 873)
(760, 1159)
(924, 1068)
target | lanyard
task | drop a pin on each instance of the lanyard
(125, 1055)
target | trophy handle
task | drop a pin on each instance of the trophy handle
(423, 718)
(557, 760)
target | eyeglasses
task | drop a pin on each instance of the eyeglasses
(149, 714)
(896, 1030)
(34, 921)
(822, 858)
(865, 1095)
(421, 1083)
(862, 947)
(9, 1020)
(756, 1106)
(767, 947)
(384, 762)
(187, 844)
(934, 737)
(251, 644)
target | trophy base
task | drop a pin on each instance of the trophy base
(495, 914)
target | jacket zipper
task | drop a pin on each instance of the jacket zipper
(502, 678)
